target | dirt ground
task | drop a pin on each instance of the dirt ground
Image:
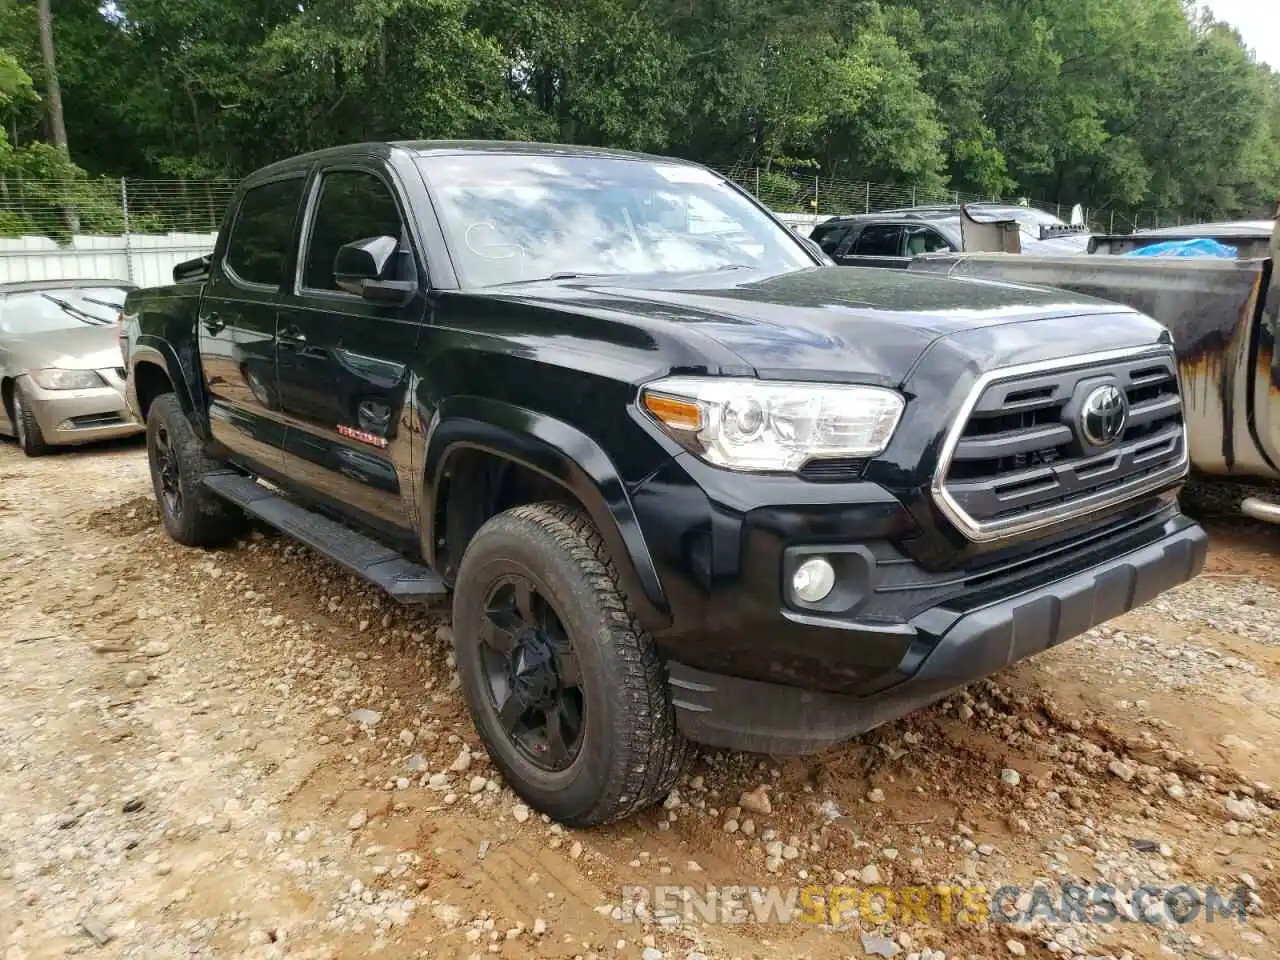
(248, 753)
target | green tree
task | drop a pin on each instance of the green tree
(1118, 104)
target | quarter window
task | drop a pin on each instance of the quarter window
(262, 235)
(353, 206)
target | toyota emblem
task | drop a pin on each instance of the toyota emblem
(1104, 415)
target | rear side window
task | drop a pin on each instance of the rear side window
(262, 234)
(353, 206)
(879, 240)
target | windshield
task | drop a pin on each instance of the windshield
(511, 217)
(60, 308)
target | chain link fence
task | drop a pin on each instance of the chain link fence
(129, 230)
(816, 195)
(60, 210)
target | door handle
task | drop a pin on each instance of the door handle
(213, 324)
(292, 335)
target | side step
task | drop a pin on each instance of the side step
(406, 581)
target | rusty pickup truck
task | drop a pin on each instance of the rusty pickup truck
(1224, 316)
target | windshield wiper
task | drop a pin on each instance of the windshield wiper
(561, 275)
(72, 310)
(103, 303)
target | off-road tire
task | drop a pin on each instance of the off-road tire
(30, 437)
(200, 518)
(631, 753)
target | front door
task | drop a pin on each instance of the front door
(343, 361)
(236, 328)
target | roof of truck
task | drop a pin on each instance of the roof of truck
(943, 210)
(526, 147)
(1236, 228)
(447, 147)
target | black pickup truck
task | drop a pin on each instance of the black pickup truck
(685, 479)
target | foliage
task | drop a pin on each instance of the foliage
(1115, 104)
(38, 183)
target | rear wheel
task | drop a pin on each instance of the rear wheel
(30, 437)
(566, 691)
(192, 513)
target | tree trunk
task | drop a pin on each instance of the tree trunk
(53, 97)
(53, 92)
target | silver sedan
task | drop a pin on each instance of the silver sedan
(61, 378)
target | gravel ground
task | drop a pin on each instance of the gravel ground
(247, 753)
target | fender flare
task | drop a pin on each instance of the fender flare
(563, 454)
(160, 353)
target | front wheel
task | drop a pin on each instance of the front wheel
(566, 691)
(192, 513)
(30, 437)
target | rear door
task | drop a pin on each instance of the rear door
(922, 238)
(343, 360)
(876, 245)
(236, 325)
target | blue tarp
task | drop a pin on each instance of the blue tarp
(1186, 248)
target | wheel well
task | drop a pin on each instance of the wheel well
(149, 381)
(6, 396)
(478, 485)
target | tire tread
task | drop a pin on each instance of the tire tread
(32, 438)
(208, 520)
(649, 752)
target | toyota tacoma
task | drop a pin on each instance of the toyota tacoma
(683, 479)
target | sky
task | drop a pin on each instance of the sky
(1258, 22)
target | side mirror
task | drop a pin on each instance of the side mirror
(191, 270)
(360, 266)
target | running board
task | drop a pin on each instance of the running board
(405, 580)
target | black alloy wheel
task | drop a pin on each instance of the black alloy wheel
(170, 480)
(532, 674)
(567, 691)
(192, 513)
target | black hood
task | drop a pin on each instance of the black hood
(825, 323)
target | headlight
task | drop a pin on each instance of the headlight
(54, 379)
(763, 426)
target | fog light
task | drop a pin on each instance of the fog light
(813, 580)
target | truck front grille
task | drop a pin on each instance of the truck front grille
(1043, 443)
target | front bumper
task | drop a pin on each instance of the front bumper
(68, 417)
(953, 645)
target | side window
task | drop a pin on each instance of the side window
(879, 240)
(830, 237)
(262, 233)
(925, 240)
(353, 206)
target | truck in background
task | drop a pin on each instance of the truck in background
(1223, 315)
